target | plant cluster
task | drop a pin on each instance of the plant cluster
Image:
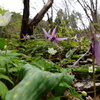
(47, 69)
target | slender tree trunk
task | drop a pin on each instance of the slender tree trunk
(25, 19)
(29, 28)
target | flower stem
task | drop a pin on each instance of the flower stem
(6, 50)
(7, 69)
(94, 80)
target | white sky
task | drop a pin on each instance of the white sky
(17, 6)
(35, 6)
(12, 5)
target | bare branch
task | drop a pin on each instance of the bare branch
(84, 8)
(96, 5)
(40, 15)
(93, 11)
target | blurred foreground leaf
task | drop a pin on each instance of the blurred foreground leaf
(34, 84)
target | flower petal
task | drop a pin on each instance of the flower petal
(8, 15)
(74, 38)
(26, 36)
(46, 33)
(53, 32)
(52, 51)
(49, 31)
(98, 35)
(96, 48)
(5, 19)
(61, 39)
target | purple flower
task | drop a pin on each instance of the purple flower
(26, 36)
(75, 38)
(53, 36)
(95, 48)
(98, 35)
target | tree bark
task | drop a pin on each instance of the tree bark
(25, 19)
(28, 28)
(39, 16)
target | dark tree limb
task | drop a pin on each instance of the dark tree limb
(39, 16)
(25, 19)
(27, 28)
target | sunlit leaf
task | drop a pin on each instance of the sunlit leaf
(3, 90)
(2, 43)
(34, 84)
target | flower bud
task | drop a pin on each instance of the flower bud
(84, 93)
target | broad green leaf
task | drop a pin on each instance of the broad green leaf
(2, 43)
(3, 60)
(45, 65)
(3, 90)
(6, 58)
(59, 91)
(34, 84)
(2, 76)
(70, 53)
(72, 89)
(53, 98)
(67, 77)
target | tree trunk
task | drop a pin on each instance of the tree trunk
(28, 28)
(25, 19)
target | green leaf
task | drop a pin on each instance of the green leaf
(2, 43)
(53, 98)
(67, 77)
(59, 90)
(2, 76)
(3, 90)
(70, 53)
(10, 56)
(34, 84)
(46, 65)
(72, 89)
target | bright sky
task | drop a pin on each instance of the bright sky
(17, 6)
(12, 5)
(35, 6)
